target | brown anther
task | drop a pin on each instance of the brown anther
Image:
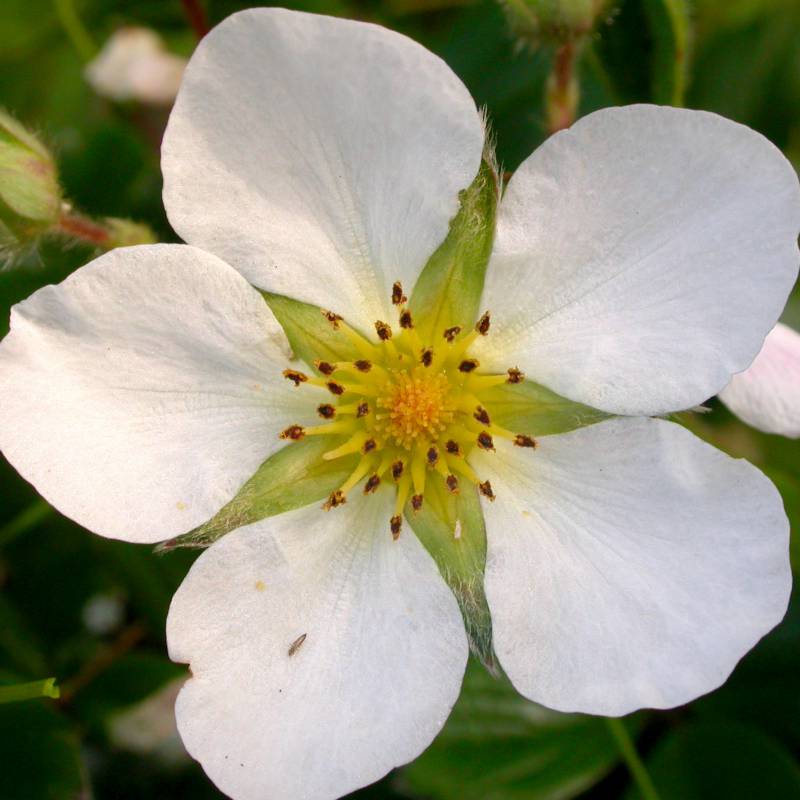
(372, 484)
(293, 432)
(405, 320)
(452, 484)
(335, 388)
(432, 456)
(515, 376)
(416, 502)
(427, 357)
(326, 411)
(295, 376)
(395, 524)
(482, 415)
(398, 298)
(325, 367)
(362, 365)
(334, 319)
(368, 446)
(485, 489)
(483, 324)
(451, 333)
(336, 499)
(523, 440)
(363, 409)
(383, 330)
(485, 441)
(468, 365)
(397, 470)
(452, 447)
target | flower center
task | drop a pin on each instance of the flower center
(412, 411)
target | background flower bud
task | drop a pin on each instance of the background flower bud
(30, 196)
(552, 20)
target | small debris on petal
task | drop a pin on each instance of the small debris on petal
(457, 530)
(297, 644)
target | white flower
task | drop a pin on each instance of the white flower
(135, 65)
(767, 394)
(640, 259)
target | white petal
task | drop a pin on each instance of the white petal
(767, 394)
(642, 256)
(320, 157)
(139, 394)
(367, 690)
(630, 565)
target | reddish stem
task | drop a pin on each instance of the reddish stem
(83, 228)
(196, 17)
(563, 90)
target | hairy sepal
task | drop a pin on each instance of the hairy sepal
(449, 288)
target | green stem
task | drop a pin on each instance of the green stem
(76, 32)
(635, 765)
(29, 691)
(26, 520)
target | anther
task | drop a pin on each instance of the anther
(427, 357)
(383, 330)
(293, 432)
(369, 446)
(468, 365)
(451, 333)
(483, 324)
(515, 376)
(295, 376)
(395, 524)
(335, 388)
(432, 456)
(482, 415)
(405, 320)
(372, 484)
(397, 470)
(334, 319)
(336, 499)
(485, 441)
(452, 484)
(326, 411)
(485, 489)
(398, 298)
(325, 367)
(452, 447)
(362, 365)
(523, 440)
(416, 502)
(363, 409)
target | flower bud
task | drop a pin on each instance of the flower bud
(134, 64)
(30, 195)
(554, 21)
(125, 232)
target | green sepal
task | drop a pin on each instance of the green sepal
(461, 560)
(294, 477)
(448, 290)
(533, 409)
(311, 336)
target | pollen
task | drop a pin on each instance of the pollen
(409, 413)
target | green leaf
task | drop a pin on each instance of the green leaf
(670, 26)
(29, 691)
(461, 559)
(310, 334)
(39, 754)
(530, 408)
(706, 761)
(293, 477)
(499, 746)
(448, 291)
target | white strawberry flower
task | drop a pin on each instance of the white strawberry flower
(638, 261)
(767, 394)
